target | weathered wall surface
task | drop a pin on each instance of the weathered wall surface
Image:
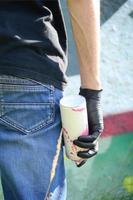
(109, 176)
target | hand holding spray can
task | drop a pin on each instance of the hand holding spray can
(74, 124)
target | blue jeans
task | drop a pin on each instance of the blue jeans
(31, 152)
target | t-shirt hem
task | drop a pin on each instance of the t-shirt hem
(23, 73)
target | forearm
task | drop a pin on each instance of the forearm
(85, 20)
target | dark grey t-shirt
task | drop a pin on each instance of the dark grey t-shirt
(33, 40)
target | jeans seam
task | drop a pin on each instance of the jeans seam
(23, 88)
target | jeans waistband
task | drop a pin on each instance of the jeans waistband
(9, 79)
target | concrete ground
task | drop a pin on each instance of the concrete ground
(109, 175)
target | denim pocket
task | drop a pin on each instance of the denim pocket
(25, 105)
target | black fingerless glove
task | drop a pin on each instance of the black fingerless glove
(95, 124)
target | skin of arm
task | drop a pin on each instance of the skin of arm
(85, 19)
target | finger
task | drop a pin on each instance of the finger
(82, 163)
(84, 145)
(87, 154)
(89, 138)
(97, 146)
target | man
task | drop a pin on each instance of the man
(33, 61)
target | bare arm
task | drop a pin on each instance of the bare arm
(85, 18)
